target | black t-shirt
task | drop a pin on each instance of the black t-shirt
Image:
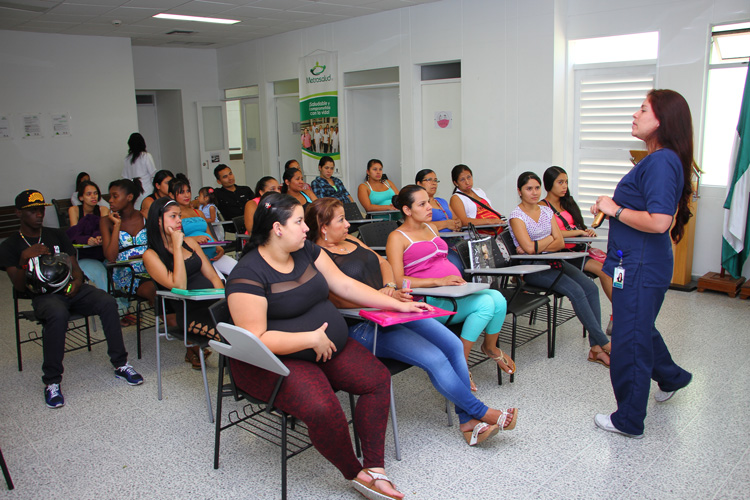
(297, 301)
(361, 265)
(54, 239)
(231, 204)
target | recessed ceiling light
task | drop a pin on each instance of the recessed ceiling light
(197, 19)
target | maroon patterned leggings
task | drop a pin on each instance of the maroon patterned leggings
(308, 394)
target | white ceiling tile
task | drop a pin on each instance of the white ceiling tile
(201, 8)
(280, 4)
(251, 11)
(110, 3)
(156, 4)
(258, 18)
(81, 10)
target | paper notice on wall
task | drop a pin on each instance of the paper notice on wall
(32, 126)
(5, 127)
(443, 119)
(61, 125)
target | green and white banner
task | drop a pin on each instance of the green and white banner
(319, 108)
(736, 235)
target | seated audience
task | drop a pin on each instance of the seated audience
(425, 343)
(82, 176)
(328, 186)
(84, 230)
(265, 185)
(174, 261)
(279, 292)
(195, 225)
(442, 217)
(230, 198)
(293, 185)
(417, 253)
(534, 232)
(124, 238)
(160, 190)
(570, 221)
(376, 197)
(206, 203)
(295, 164)
(469, 203)
(54, 309)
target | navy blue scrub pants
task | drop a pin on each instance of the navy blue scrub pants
(639, 353)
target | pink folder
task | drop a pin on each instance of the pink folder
(388, 318)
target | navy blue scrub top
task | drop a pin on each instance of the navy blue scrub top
(654, 186)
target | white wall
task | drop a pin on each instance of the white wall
(506, 104)
(194, 72)
(684, 32)
(91, 79)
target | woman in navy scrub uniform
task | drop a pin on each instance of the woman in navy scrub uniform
(640, 213)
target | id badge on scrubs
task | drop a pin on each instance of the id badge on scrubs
(619, 277)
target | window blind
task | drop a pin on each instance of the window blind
(605, 100)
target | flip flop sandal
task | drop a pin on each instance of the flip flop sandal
(369, 490)
(503, 358)
(476, 436)
(504, 416)
(472, 385)
(595, 358)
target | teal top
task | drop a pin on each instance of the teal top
(381, 197)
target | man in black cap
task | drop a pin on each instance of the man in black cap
(17, 252)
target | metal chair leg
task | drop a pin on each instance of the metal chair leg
(6, 472)
(205, 385)
(396, 440)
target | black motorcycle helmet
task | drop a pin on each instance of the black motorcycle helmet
(48, 273)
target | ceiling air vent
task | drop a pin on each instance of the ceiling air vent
(181, 32)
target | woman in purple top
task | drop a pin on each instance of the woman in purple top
(417, 253)
(534, 231)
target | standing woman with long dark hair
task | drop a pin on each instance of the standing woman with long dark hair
(139, 164)
(639, 258)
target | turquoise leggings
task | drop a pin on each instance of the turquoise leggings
(481, 311)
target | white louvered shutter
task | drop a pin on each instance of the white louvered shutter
(605, 100)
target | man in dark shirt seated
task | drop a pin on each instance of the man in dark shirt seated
(230, 198)
(53, 309)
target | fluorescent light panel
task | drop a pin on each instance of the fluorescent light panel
(214, 20)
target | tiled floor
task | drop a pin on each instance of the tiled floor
(115, 441)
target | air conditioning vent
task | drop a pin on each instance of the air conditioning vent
(181, 32)
(144, 99)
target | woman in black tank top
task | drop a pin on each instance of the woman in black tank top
(175, 262)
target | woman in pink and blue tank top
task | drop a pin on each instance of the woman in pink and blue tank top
(417, 253)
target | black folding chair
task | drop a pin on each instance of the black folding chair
(260, 417)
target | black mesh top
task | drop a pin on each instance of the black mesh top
(297, 301)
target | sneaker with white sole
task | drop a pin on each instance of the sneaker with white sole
(663, 396)
(129, 375)
(604, 422)
(53, 396)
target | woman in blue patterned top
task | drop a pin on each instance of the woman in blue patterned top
(326, 185)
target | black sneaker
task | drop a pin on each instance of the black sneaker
(129, 375)
(53, 396)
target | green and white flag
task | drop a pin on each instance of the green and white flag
(319, 108)
(736, 242)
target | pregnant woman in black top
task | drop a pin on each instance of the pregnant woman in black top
(279, 292)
